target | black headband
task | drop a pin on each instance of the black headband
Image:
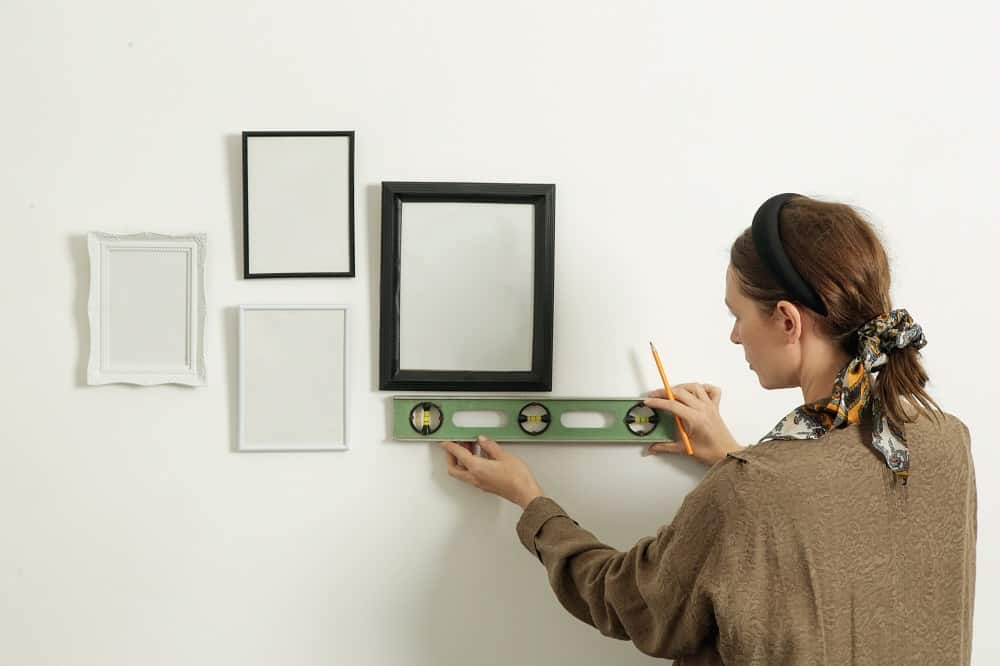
(767, 239)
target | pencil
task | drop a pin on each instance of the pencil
(670, 395)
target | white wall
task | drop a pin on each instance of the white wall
(131, 533)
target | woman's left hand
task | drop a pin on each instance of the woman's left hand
(497, 471)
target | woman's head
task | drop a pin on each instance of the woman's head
(782, 342)
(838, 253)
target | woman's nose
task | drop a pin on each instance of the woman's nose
(734, 336)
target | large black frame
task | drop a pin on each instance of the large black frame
(539, 378)
(246, 208)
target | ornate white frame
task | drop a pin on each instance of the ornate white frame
(99, 369)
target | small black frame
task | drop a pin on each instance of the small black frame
(350, 272)
(539, 378)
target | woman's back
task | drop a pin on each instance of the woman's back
(827, 542)
(836, 562)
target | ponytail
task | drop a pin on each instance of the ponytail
(903, 378)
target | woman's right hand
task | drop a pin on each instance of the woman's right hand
(697, 405)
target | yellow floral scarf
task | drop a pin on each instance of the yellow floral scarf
(853, 390)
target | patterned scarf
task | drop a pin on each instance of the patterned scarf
(853, 389)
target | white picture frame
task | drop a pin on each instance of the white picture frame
(293, 377)
(146, 309)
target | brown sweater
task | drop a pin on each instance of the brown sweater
(790, 552)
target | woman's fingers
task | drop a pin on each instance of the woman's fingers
(460, 455)
(672, 406)
(452, 459)
(460, 459)
(700, 391)
(460, 473)
(666, 447)
(662, 393)
(491, 448)
(685, 393)
(689, 388)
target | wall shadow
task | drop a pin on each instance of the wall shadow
(80, 258)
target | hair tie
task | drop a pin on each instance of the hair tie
(887, 333)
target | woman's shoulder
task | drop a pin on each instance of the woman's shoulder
(937, 424)
(771, 464)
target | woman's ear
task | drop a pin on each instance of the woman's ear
(789, 316)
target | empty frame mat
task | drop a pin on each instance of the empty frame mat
(298, 204)
(293, 377)
(146, 309)
(486, 278)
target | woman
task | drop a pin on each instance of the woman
(845, 535)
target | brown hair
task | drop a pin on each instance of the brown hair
(837, 251)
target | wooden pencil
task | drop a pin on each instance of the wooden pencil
(670, 395)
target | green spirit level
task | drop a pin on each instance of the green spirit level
(418, 418)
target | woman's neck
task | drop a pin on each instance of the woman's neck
(818, 377)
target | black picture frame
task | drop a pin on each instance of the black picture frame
(249, 271)
(539, 377)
